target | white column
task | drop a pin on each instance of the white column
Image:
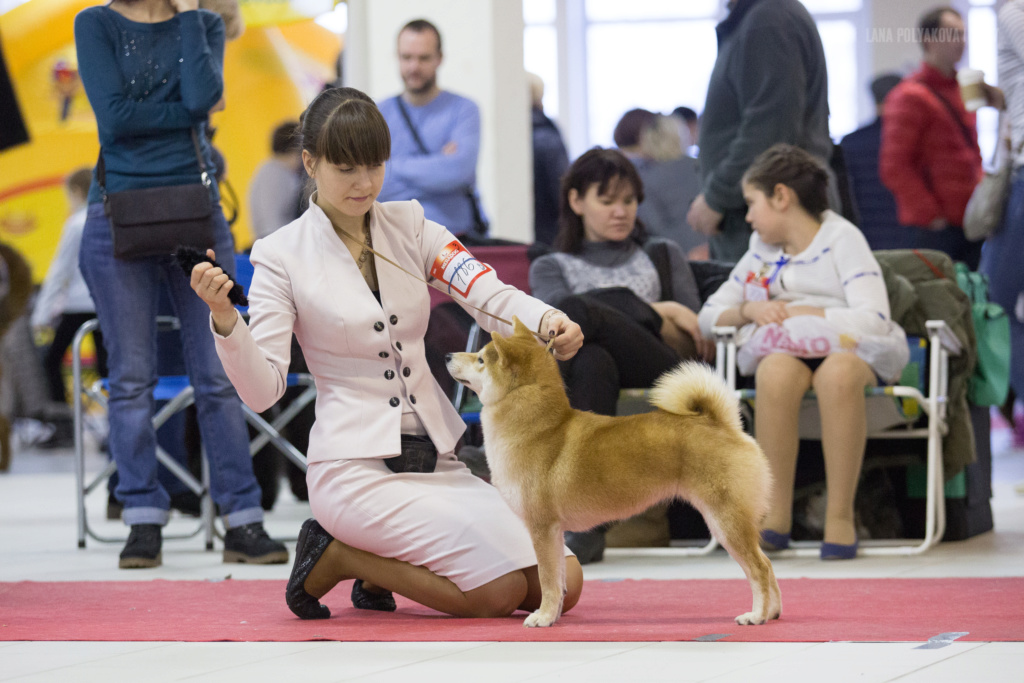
(483, 60)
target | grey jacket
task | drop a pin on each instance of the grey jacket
(769, 85)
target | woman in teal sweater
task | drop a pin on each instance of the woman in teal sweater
(152, 70)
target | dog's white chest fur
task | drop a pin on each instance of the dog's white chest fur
(498, 450)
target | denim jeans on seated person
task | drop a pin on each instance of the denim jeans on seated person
(127, 295)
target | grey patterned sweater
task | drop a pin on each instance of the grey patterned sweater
(556, 275)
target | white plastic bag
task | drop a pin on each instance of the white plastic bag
(811, 336)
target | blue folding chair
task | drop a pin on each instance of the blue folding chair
(178, 394)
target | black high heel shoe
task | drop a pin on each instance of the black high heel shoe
(312, 543)
(364, 599)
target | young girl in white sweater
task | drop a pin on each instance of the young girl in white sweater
(805, 260)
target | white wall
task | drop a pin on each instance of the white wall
(483, 60)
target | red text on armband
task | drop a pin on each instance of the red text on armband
(457, 268)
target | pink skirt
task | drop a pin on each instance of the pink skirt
(449, 521)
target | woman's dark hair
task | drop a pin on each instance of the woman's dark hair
(631, 125)
(795, 168)
(344, 126)
(601, 167)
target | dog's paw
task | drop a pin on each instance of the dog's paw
(540, 618)
(751, 619)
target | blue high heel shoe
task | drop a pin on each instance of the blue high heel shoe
(835, 551)
(773, 540)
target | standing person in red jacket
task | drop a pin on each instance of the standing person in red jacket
(930, 158)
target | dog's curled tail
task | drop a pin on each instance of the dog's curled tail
(694, 388)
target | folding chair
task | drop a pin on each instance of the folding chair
(176, 390)
(894, 412)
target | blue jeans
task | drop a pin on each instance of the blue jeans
(127, 296)
(1001, 261)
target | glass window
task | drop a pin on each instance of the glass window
(639, 10)
(539, 11)
(840, 41)
(657, 66)
(540, 56)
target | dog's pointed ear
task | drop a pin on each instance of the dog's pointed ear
(519, 329)
(500, 346)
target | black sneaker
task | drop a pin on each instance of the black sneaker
(142, 550)
(250, 544)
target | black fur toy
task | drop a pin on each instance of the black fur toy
(189, 258)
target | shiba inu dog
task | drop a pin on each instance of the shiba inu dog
(563, 469)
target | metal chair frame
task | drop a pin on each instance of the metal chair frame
(180, 395)
(942, 344)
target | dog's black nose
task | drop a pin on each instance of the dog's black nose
(447, 358)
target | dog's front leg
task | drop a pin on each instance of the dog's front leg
(550, 549)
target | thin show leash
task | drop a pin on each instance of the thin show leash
(548, 341)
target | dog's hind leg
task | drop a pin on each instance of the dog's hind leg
(740, 539)
(550, 549)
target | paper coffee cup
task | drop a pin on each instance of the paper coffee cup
(972, 88)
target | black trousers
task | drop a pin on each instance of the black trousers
(53, 361)
(618, 353)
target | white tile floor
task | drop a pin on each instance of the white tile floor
(37, 541)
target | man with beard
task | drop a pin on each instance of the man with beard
(435, 138)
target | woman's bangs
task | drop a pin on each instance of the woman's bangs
(356, 135)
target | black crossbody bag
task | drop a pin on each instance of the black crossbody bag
(157, 220)
(480, 226)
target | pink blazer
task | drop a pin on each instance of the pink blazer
(368, 359)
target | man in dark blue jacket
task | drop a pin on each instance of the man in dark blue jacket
(877, 208)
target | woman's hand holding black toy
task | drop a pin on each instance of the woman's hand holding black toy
(189, 258)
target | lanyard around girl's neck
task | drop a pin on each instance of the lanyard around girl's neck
(779, 265)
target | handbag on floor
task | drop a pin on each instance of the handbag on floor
(157, 220)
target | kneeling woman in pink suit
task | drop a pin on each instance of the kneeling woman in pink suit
(393, 507)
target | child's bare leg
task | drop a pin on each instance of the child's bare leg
(781, 384)
(839, 383)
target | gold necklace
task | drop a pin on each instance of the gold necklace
(364, 255)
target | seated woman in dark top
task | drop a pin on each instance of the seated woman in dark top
(635, 298)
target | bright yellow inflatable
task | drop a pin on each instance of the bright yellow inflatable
(270, 73)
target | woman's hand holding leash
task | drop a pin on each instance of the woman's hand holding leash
(567, 337)
(212, 285)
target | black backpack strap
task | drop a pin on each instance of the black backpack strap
(657, 251)
(412, 127)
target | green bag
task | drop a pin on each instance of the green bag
(991, 380)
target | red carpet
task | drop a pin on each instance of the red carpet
(814, 610)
